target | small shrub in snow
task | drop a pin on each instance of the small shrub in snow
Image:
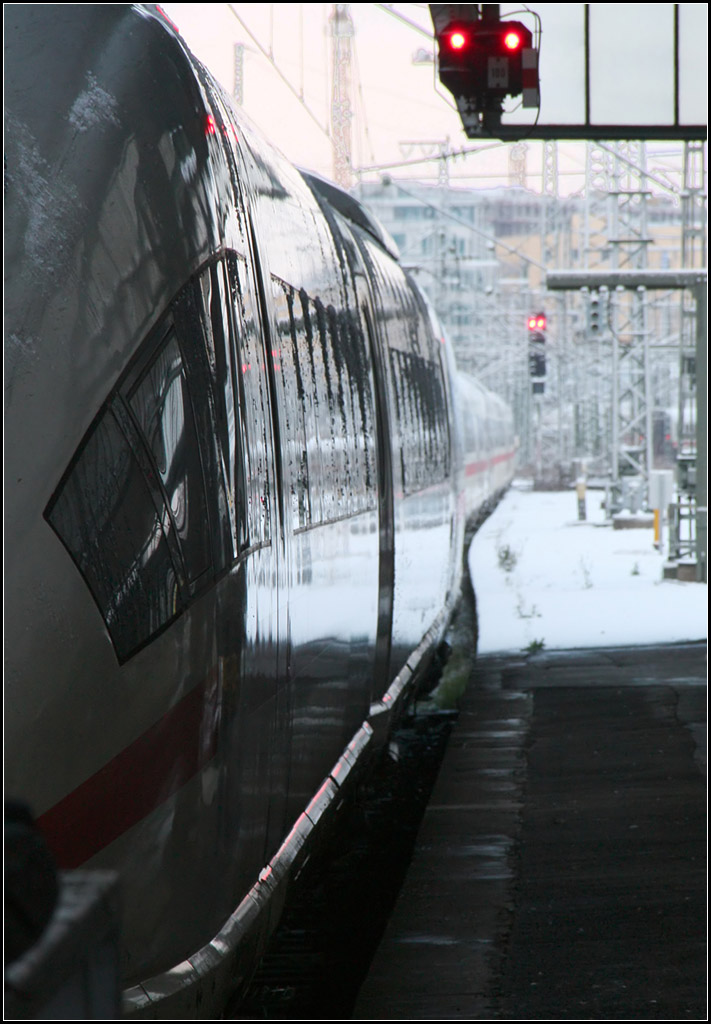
(587, 578)
(535, 646)
(508, 558)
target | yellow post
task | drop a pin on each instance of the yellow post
(656, 527)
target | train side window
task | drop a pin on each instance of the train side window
(254, 402)
(160, 402)
(294, 402)
(354, 416)
(329, 409)
(322, 374)
(416, 380)
(220, 434)
(359, 347)
(311, 364)
(105, 515)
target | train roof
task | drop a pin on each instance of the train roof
(352, 209)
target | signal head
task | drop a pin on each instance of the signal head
(481, 60)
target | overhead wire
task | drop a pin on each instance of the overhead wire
(361, 104)
(389, 9)
(477, 231)
(269, 57)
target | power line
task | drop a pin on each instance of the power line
(477, 231)
(389, 9)
(467, 151)
(269, 57)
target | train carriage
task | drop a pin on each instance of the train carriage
(233, 520)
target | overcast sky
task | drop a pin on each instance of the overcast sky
(401, 114)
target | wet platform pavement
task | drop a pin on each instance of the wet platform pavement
(560, 868)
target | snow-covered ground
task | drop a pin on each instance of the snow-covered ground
(542, 577)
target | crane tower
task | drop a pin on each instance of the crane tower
(342, 32)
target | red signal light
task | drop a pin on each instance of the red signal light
(458, 40)
(513, 40)
(537, 322)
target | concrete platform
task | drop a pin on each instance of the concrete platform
(560, 870)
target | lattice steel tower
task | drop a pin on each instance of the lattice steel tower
(617, 238)
(693, 243)
(342, 32)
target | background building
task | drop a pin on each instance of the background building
(481, 255)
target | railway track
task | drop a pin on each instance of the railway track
(320, 954)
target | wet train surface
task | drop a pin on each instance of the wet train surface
(236, 487)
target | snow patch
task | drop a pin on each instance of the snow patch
(542, 578)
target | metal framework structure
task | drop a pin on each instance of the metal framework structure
(694, 281)
(342, 31)
(552, 408)
(617, 349)
(629, 239)
(693, 247)
(238, 73)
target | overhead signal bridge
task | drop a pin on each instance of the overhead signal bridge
(485, 57)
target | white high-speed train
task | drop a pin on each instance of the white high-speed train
(234, 499)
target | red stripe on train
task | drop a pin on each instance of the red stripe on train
(473, 468)
(136, 781)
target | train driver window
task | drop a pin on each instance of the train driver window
(131, 509)
(105, 515)
(161, 404)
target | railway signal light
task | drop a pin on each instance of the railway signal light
(485, 59)
(513, 40)
(458, 40)
(536, 324)
(596, 314)
(537, 364)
